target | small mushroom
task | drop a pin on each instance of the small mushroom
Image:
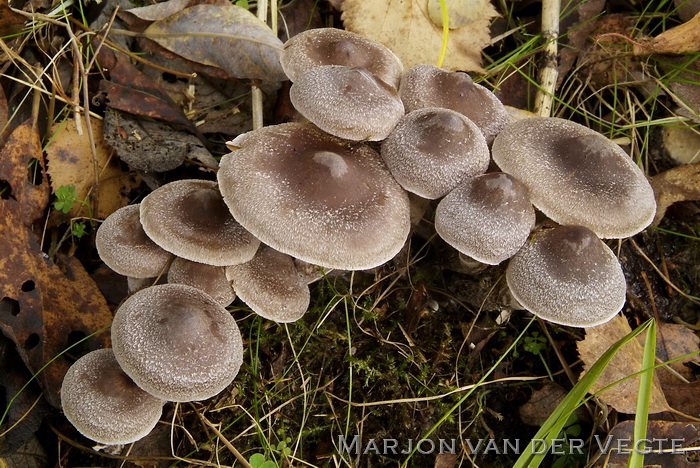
(331, 46)
(432, 150)
(567, 275)
(315, 197)
(348, 102)
(177, 343)
(430, 86)
(208, 278)
(190, 219)
(271, 285)
(104, 404)
(124, 246)
(576, 176)
(487, 218)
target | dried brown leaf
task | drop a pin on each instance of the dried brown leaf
(52, 303)
(681, 183)
(10, 21)
(70, 162)
(674, 341)
(228, 37)
(628, 360)
(683, 39)
(405, 27)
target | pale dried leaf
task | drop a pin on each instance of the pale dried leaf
(683, 39)
(460, 13)
(404, 26)
(71, 162)
(682, 144)
(678, 184)
(227, 37)
(628, 360)
(159, 11)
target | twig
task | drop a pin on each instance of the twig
(225, 441)
(550, 72)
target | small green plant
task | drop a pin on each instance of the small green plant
(243, 4)
(66, 198)
(257, 460)
(535, 344)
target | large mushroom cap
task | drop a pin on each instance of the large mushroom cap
(208, 278)
(177, 343)
(330, 46)
(568, 276)
(430, 86)
(271, 285)
(348, 102)
(124, 246)
(104, 404)
(576, 176)
(487, 218)
(432, 150)
(315, 197)
(190, 219)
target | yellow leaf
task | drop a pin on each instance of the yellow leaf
(682, 39)
(405, 27)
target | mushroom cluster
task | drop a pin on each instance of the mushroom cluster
(295, 198)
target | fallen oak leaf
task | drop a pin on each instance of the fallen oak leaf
(404, 26)
(49, 305)
(681, 183)
(682, 39)
(227, 37)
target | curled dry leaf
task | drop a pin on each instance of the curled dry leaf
(683, 39)
(45, 304)
(678, 184)
(71, 162)
(404, 26)
(228, 37)
(628, 360)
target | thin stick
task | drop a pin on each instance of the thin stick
(550, 72)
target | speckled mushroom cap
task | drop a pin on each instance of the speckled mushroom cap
(124, 246)
(487, 218)
(104, 404)
(348, 102)
(208, 278)
(271, 286)
(315, 197)
(566, 275)
(430, 86)
(432, 150)
(576, 176)
(190, 219)
(177, 343)
(330, 46)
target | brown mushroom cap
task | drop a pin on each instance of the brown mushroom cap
(487, 218)
(190, 219)
(430, 86)
(177, 343)
(208, 278)
(315, 197)
(104, 404)
(576, 176)
(348, 102)
(330, 46)
(124, 246)
(271, 285)
(568, 276)
(432, 150)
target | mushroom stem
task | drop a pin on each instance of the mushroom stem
(256, 92)
(549, 74)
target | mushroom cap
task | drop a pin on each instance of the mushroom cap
(348, 102)
(432, 150)
(576, 175)
(104, 404)
(190, 219)
(487, 218)
(271, 285)
(124, 246)
(177, 343)
(566, 275)
(430, 86)
(331, 46)
(315, 197)
(208, 278)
